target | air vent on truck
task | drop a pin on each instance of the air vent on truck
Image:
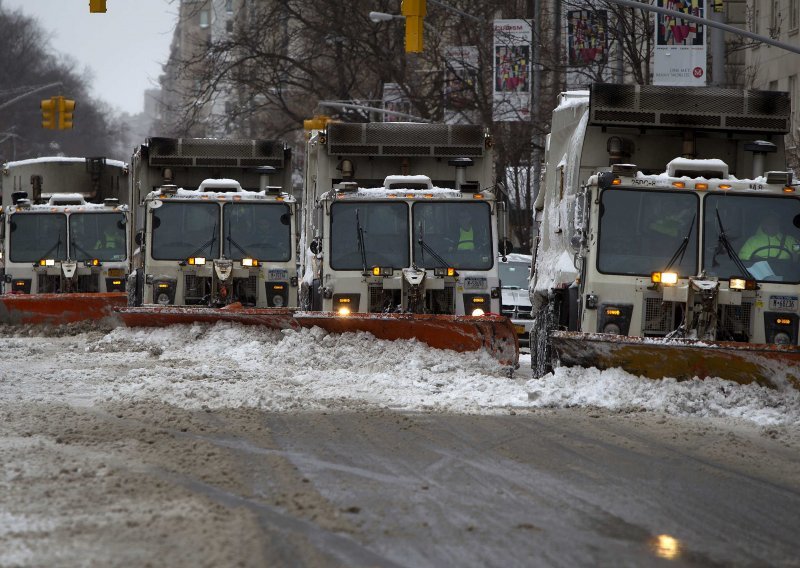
(706, 108)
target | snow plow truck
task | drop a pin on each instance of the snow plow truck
(64, 231)
(668, 241)
(215, 228)
(400, 235)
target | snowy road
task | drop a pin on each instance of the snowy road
(233, 446)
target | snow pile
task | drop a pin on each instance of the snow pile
(310, 369)
(230, 366)
(615, 389)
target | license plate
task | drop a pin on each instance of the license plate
(278, 274)
(783, 302)
(472, 283)
(520, 329)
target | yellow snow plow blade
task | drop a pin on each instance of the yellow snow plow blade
(56, 309)
(493, 333)
(769, 365)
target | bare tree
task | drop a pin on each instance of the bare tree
(28, 62)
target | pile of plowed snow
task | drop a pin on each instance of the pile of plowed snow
(231, 366)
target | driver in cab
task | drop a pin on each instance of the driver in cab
(770, 242)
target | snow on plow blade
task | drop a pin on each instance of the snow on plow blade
(493, 333)
(56, 309)
(770, 365)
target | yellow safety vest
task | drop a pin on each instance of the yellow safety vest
(466, 239)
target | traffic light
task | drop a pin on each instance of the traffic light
(49, 113)
(65, 109)
(414, 11)
(97, 6)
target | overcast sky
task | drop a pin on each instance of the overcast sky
(124, 48)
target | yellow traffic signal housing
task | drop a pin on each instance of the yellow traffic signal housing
(414, 11)
(65, 109)
(49, 113)
(97, 6)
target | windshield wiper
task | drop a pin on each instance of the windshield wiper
(361, 245)
(56, 246)
(233, 242)
(80, 249)
(431, 251)
(209, 243)
(724, 244)
(678, 255)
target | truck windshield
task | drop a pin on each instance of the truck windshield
(762, 231)
(642, 231)
(459, 233)
(514, 275)
(97, 235)
(257, 230)
(385, 235)
(37, 236)
(185, 229)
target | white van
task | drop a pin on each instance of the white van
(516, 303)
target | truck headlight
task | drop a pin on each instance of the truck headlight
(666, 278)
(614, 319)
(164, 292)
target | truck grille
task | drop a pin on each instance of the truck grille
(659, 317)
(246, 290)
(88, 283)
(736, 321)
(195, 288)
(443, 301)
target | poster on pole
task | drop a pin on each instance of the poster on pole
(460, 84)
(587, 48)
(512, 70)
(680, 52)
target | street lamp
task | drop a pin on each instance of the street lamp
(379, 17)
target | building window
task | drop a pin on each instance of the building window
(229, 26)
(229, 6)
(794, 15)
(755, 14)
(204, 18)
(775, 19)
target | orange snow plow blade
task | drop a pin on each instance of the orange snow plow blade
(159, 316)
(55, 309)
(493, 333)
(769, 365)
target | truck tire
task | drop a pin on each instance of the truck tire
(542, 358)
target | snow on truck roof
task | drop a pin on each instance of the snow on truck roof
(51, 159)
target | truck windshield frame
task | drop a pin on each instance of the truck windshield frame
(386, 228)
(439, 225)
(185, 228)
(741, 217)
(639, 231)
(36, 236)
(257, 230)
(99, 235)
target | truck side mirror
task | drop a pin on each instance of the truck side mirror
(139, 238)
(314, 246)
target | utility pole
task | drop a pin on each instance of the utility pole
(536, 102)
